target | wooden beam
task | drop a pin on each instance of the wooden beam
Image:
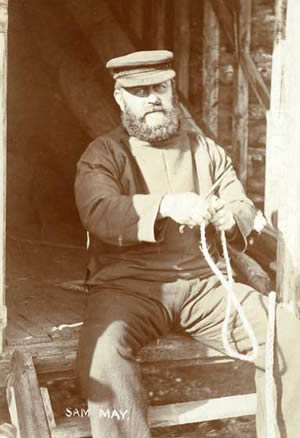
(202, 410)
(172, 414)
(48, 407)
(61, 356)
(182, 44)
(241, 93)
(159, 13)
(280, 20)
(3, 118)
(288, 261)
(275, 150)
(24, 399)
(210, 68)
(255, 79)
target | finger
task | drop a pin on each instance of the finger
(221, 214)
(219, 224)
(211, 210)
(218, 204)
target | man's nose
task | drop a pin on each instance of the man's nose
(153, 96)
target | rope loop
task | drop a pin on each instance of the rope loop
(231, 300)
(269, 351)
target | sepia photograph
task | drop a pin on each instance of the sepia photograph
(150, 223)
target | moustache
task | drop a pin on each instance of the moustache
(154, 110)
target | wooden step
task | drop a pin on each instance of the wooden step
(170, 351)
(78, 426)
(32, 414)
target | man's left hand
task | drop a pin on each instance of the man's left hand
(223, 219)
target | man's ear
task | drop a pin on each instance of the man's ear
(119, 98)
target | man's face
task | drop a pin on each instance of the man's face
(150, 113)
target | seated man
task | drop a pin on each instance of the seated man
(141, 194)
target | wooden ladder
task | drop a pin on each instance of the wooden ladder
(32, 414)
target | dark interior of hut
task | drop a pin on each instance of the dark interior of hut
(59, 98)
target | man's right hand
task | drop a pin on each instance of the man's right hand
(186, 209)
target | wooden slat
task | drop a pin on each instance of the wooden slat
(275, 150)
(240, 94)
(253, 76)
(24, 399)
(3, 93)
(173, 414)
(181, 44)
(202, 410)
(210, 68)
(73, 427)
(61, 355)
(288, 260)
(48, 407)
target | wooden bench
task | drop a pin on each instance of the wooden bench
(30, 405)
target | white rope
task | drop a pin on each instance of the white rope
(231, 298)
(269, 352)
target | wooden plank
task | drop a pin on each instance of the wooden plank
(73, 427)
(173, 414)
(159, 13)
(3, 135)
(48, 407)
(24, 399)
(210, 68)
(182, 44)
(255, 79)
(288, 254)
(275, 150)
(61, 355)
(202, 410)
(241, 94)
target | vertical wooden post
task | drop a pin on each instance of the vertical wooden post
(159, 10)
(241, 93)
(288, 254)
(210, 78)
(24, 399)
(275, 151)
(181, 45)
(3, 75)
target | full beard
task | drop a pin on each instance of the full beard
(138, 126)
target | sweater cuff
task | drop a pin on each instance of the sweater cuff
(148, 212)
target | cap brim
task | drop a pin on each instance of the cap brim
(146, 78)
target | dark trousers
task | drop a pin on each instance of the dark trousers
(120, 323)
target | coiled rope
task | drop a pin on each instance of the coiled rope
(269, 352)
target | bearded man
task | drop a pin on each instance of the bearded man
(140, 192)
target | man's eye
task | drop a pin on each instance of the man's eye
(140, 92)
(161, 88)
